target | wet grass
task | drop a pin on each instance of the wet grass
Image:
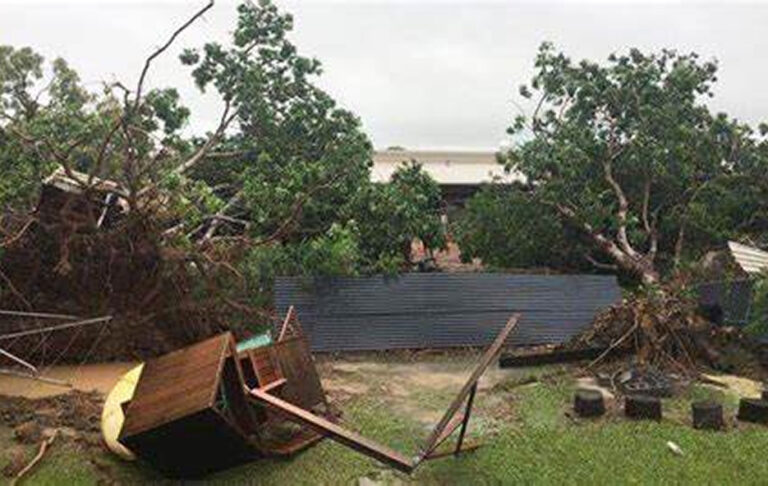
(529, 439)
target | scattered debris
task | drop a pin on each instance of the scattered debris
(674, 448)
(660, 329)
(208, 406)
(44, 446)
(752, 260)
(665, 343)
(741, 386)
(28, 432)
(16, 457)
(548, 355)
(76, 411)
(645, 381)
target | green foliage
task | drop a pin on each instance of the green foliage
(334, 253)
(504, 227)
(391, 216)
(382, 223)
(758, 313)
(48, 118)
(298, 156)
(637, 128)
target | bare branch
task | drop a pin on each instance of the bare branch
(226, 119)
(602, 266)
(646, 201)
(623, 209)
(163, 48)
(218, 217)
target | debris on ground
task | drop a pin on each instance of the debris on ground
(646, 381)
(214, 405)
(658, 342)
(74, 416)
(44, 446)
(28, 433)
(76, 412)
(16, 459)
(676, 450)
(739, 385)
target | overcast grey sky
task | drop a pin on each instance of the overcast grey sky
(419, 74)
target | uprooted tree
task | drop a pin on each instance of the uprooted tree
(628, 154)
(281, 167)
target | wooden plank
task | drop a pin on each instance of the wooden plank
(339, 434)
(286, 323)
(444, 453)
(464, 422)
(488, 357)
(449, 430)
(271, 386)
(176, 384)
(528, 358)
(297, 366)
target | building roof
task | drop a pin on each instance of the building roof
(446, 167)
(750, 259)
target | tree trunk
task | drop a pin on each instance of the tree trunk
(626, 257)
(649, 276)
(643, 268)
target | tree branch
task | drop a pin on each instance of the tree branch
(226, 119)
(646, 202)
(602, 266)
(162, 49)
(621, 212)
(219, 217)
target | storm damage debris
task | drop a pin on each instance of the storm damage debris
(660, 334)
(89, 246)
(209, 406)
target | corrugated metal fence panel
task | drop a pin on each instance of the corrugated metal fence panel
(728, 302)
(419, 310)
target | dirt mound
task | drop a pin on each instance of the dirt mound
(78, 411)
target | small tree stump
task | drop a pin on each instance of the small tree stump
(753, 410)
(588, 403)
(707, 415)
(642, 407)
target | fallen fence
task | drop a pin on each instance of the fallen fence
(441, 310)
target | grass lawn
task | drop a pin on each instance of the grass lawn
(528, 437)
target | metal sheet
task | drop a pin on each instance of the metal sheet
(750, 259)
(726, 302)
(436, 310)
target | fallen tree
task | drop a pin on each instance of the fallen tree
(664, 329)
(628, 156)
(107, 209)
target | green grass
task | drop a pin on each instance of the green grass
(529, 440)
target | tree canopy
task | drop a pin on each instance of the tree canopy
(629, 154)
(283, 165)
